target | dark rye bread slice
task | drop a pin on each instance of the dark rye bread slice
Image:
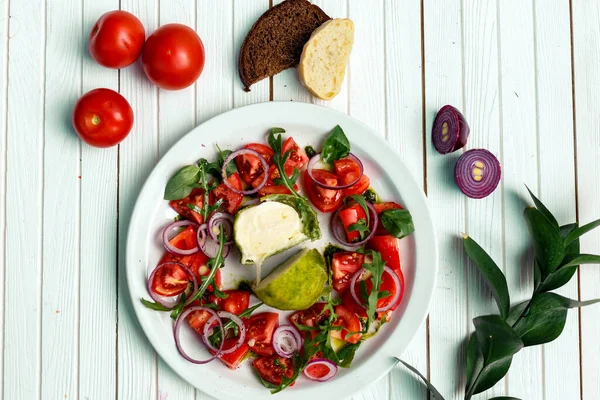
(276, 40)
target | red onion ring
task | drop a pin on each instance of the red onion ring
(172, 249)
(336, 225)
(159, 298)
(177, 329)
(317, 158)
(208, 246)
(219, 316)
(321, 361)
(477, 173)
(286, 341)
(394, 300)
(218, 219)
(240, 152)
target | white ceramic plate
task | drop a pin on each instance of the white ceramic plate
(308, 124)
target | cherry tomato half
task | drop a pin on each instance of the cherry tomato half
(325, 200)
(259, 332)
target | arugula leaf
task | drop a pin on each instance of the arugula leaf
(154, 306)
(215, 338)
(360, 200)
(346, 354)
(492, 274)
(363, 230)
(182, 183)
(376, 269)
(279, 159)
(336, 146)
(398, 223)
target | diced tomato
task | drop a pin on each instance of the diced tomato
(235, 302)
(350, 322)
(231, 200)
(344, 265)
(197, 319)
(249, 166)
(298, 157)
(270, 187)
(359, 187)
(196, 197)
(387, 246)
(346, 170)
(351, 215)
(312, 317)
(273, 368)
(325, 200)
(259, 332)
(234, 359)
(381, 207)
(170, 280)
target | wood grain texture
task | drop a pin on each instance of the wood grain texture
(136, 359)
(586, 45)
(519, 168)
(404, 132)
(449, 324)
(61, 214)
(98, 264)
(557, 179)
(24, 202)
(481, 107)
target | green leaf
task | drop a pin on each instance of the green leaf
(547, 242)
(557, 279)
(278, 159)
(491, 374)
(346, 354)
(155, 306)
(221, 157)
(492, 274)
(182, 183)
(515, 312)
(376, 269)
(398, 223)
(496, 339)
(336, 146)
(542, 208)
(583, 259)
(474, 359)
(277, 130)
(371, 196)
(359, 226)
(363, 203)
(435, 394)
(577, 232)
(537, 273)
(546, 318)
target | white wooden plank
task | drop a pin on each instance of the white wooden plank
(404, 113)
(176, 117)
(367, 99)
(136, 359)
(24, 203)
(245, 13)
(519, 167)
(60, 268)
(481, 107)
(586, 42)
(449, 325)
(557, 179)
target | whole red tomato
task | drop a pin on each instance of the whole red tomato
(102, 118)
(173, 56)
(116, 40)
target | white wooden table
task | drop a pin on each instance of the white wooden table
(526, 74)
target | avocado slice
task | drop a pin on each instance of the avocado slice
(296, 284)
(276, 224)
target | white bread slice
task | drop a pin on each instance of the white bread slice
(324, 58)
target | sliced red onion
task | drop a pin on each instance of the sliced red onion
(337, 228)
(218, 219)
(450, 130)
(172, 249)
(177, 330)
(317, 158)
(208, 331)
(209, 246)
(321, 361)
(477, 173)
(395, 278)
(159, 298)
(286, 341)
(241, 152)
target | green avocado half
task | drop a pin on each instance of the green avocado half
(296, 284)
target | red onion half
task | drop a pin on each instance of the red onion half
(172, 249)
(241, 152)
(286, 341)
(208, 331)
(395, 278)
(450, 130)
(338, 230)
(320, 362)
(317, 158)
(477, 173)
(159, 298)
(176, 332)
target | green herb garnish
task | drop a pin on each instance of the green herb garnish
(336, 146)
(279, 159)
(398, 223)
(310, 151)
(182, 183)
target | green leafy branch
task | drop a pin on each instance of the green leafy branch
(533, 322)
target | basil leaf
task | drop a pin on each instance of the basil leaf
(548, 245)
(155, 306)
(336, 146)
(435, 394)
(496, 339)
(346, 354)
(221, 157)
(542, 208)
(398, 223)
(492, 274)
(277, 130)
(577, 232)
(182, 183)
